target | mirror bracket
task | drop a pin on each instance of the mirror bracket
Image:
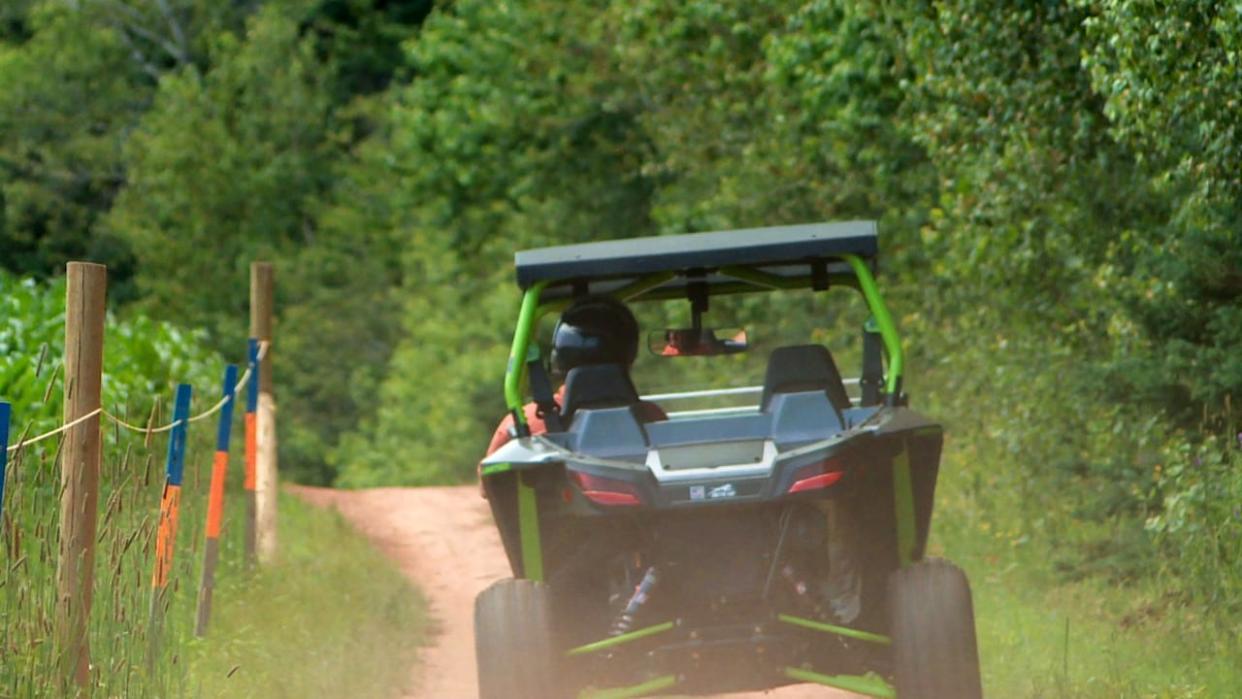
(697, 293)
(819, 275)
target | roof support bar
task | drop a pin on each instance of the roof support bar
(517, 356)
(888, 329)
(862, 280)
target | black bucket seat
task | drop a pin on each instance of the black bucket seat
(804, 368)
(597, 386)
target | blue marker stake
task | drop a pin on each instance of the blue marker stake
(215, 503)
(170, 505)
(5, 410)
(170, 512)
(251, 447)
(176, 441)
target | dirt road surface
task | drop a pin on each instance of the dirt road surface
(444, 541)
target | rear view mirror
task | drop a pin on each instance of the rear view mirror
(689, 342)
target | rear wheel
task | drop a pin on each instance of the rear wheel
(933, 629)
(513, 641)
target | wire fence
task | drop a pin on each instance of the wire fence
(147, 430)
(47, 582)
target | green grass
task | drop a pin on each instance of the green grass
(332, 619)
(1044, 636)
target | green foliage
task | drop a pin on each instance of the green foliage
(64, 94)
(139, 133)
(1170, 79)
(227, 161)
(365, 39)
(1169, 75)
(14, 21)
(489, 139)
(143, 359)
(244, 159)
(73, 85)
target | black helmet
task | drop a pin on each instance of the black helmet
(594, 330)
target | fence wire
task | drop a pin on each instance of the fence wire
(147, 430)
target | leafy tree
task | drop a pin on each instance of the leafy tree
(237, 161)
(14, 21)
(66, 94)
(1170, 78)
(365, 39)
(76, 78)
(515, 141)
(228, 161)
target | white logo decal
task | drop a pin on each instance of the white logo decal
(722, 491)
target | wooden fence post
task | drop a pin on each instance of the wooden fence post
(262, 279)
(215, 502)
(79, 475)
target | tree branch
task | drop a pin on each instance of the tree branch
(178, 34)
(134, 22)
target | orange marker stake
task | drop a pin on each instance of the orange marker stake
(252, 451)
(166, 538)
(215, 503)
(170, 504)
(215, 499)
(170, 512)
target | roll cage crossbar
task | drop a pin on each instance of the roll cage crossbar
(744, 279)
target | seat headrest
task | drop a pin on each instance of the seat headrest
(597, 386)
(804, 368)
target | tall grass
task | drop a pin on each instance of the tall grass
(128, 657)
(142, 361)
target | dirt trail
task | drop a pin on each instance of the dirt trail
(444, 541)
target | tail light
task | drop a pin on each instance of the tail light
(817, 476)
(606, 491)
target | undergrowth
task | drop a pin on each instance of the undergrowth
(1104, 544)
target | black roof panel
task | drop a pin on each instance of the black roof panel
(635, 257)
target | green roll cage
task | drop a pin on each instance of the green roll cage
(647, 289)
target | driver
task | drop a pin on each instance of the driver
(594, 330)
(679, 342)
